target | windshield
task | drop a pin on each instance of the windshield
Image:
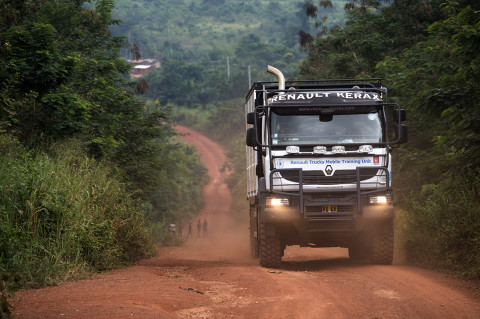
(343, 128)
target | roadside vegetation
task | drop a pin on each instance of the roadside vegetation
(65, 214)
(88, 178)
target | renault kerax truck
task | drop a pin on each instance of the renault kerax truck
(319, 166)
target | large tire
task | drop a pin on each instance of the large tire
(271, 249)
(382, 245)
(355, 252)
(359, 249)
(254, 246)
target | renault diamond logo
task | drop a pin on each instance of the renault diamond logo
(328, 170)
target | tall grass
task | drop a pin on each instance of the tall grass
(441, 225)
(63, 214)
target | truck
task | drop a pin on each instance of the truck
(319, 166)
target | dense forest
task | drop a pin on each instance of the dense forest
(212, 50)
(197, 29)
(88, 156)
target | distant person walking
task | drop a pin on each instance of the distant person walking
(205, 227)
(180, 230)
(199, 227)
(171, 229)
(189, 229)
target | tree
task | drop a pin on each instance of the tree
(372, 33)
(62, 76)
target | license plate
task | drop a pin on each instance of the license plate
(330, 209)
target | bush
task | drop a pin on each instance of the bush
(441, 226)
(63, 214)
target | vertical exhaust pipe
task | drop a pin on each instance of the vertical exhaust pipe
(279, 75)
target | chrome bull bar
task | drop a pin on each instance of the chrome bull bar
(299, 182)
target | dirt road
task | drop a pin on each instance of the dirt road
(214, 277)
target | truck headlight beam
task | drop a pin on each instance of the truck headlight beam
(379, 200)
(277, 202)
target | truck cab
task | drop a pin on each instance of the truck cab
(319, 166)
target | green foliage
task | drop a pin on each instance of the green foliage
(369, 36)
(181, 179)
(62, 76)
(82, 159)
(180, 83)
(447, 98)
(191, 29)
(445, 92)
(206, 81)
(211, 51)
(441, 225)
(63, 214)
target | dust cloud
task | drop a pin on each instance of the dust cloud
(226, 238)
(225, 242)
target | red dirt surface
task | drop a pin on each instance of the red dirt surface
(214, 277)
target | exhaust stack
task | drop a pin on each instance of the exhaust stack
(279, 75)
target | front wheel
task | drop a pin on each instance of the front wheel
(382, 245)
(271, 248)
(359, 249)
(355, 252)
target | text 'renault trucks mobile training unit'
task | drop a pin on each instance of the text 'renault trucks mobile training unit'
(319, 166)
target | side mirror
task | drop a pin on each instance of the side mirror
(402, 136)
(251, 118)
(400, 113)
(251, 139)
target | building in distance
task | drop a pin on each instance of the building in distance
(142, 67)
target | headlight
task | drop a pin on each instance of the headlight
(381, 200)
(277, 202)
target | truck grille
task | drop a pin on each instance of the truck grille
(340, 176)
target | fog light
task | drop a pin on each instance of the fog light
(293, 149)
(338, 149)
(277, 202)
(319, 150)
(365, 148)
(379, 200)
